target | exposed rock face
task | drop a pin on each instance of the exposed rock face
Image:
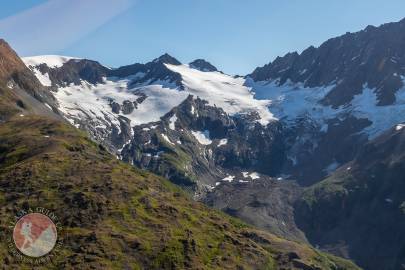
(128, 107)
(14, 70)
(167, 59)
(115, 107)
(313, 155)
(85, 74)
(202, 65)
(21, 90)
(349, 81)
(10, 62)
(373, 57)
(75, 71)
(111, 135)
(150, 72)
(171, 148)
(358, 212)
(368, 201)
(265, 202)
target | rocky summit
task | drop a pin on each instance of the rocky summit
(203, 65)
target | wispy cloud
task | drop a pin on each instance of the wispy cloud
(57, 24)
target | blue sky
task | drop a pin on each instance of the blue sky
(235, 35)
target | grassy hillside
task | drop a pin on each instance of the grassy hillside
(117, 217)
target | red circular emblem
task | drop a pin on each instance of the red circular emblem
(35, 235)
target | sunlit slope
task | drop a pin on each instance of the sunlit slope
(116, 216)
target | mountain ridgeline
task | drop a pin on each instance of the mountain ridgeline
(306, 147)
(373, 57)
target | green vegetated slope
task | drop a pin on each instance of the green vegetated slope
(117, 217)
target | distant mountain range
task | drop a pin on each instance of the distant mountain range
(307, 147)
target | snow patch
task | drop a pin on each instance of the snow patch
(123, 146)
(43, 78)
(172, 122)
(167, 139)
(292, 101)
(229, 178)
(243, 181)
(49, 107)
(399, 127)
(202, 137)
(302, 72)
(253, 175)
(354, 58)
(324, 128)
(10, 85)
(382, 117)
(158, 154)
(52, 61)
(222, 142)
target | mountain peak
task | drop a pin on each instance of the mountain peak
(203, 65)
(333, 60)
(167, 59)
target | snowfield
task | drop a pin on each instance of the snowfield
(92, 102)
(223, 91)
(235, 96)
(292, 100)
